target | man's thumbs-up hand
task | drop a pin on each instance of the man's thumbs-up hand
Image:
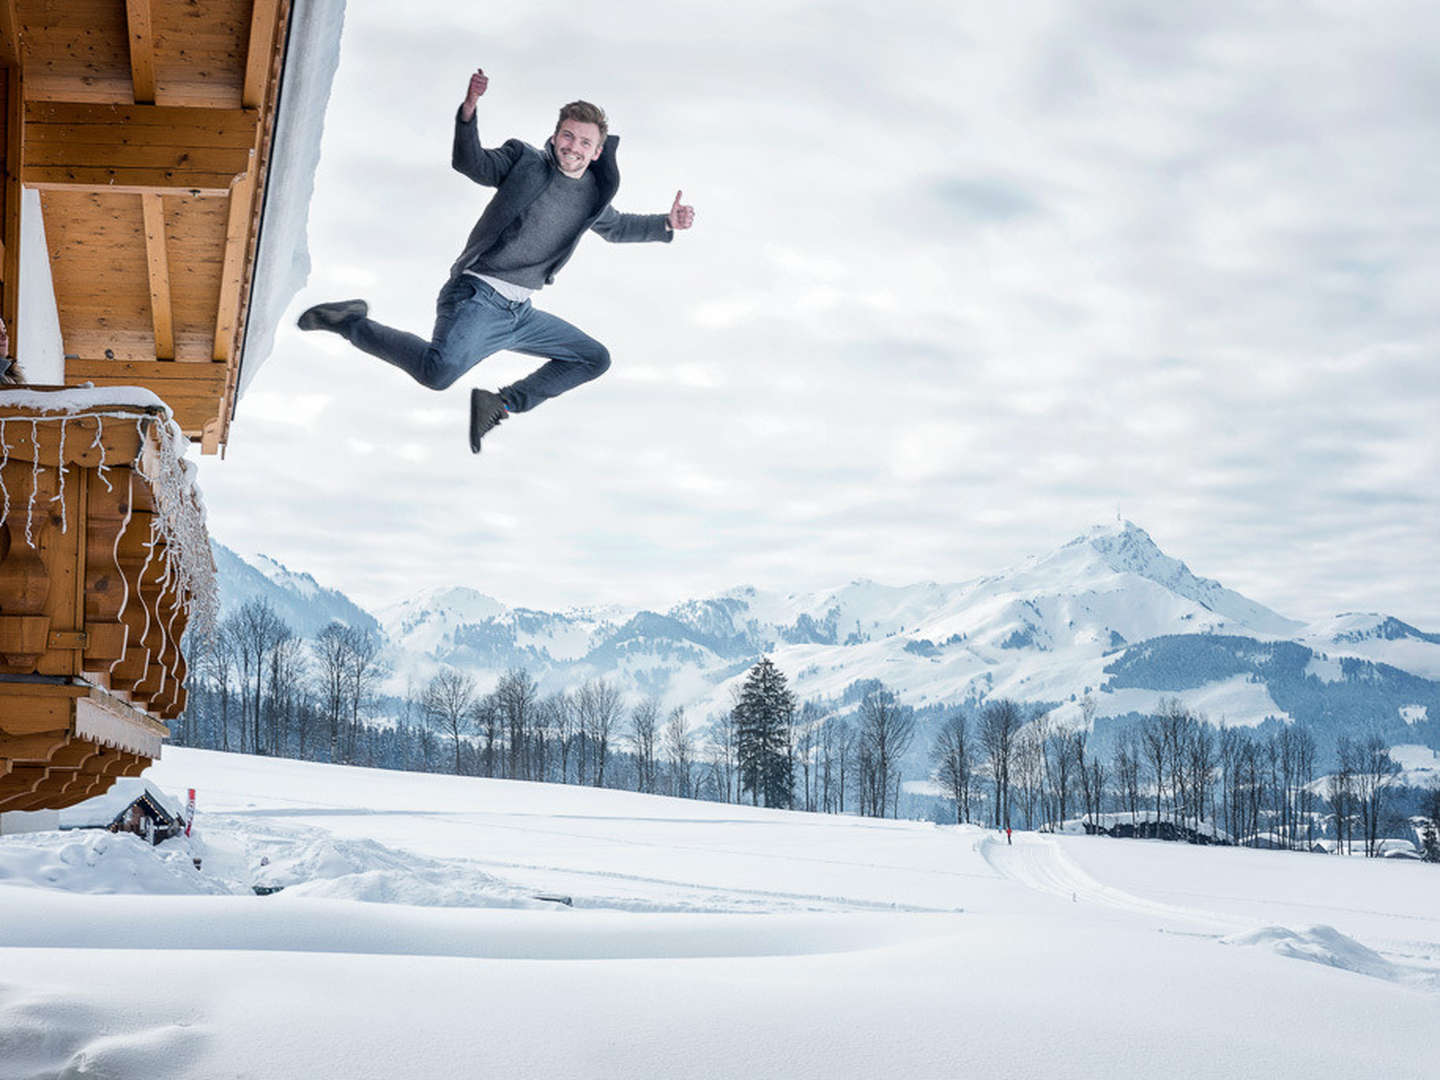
(681, 216)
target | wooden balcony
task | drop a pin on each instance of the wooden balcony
(104, 562)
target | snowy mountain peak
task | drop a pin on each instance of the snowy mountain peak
(278, 573)
(1128, 547)
(1125, 548)
(1355, 626)
(447, 605)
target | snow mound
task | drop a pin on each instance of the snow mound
(1320, 945)
(365, 870)
(95, 861)
(53, 1034)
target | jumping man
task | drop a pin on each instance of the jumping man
(545, 201)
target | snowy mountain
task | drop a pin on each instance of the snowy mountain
(1108, 614)
(305, 605)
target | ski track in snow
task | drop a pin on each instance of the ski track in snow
(1039, 863)
(265, 835)
(720, 894)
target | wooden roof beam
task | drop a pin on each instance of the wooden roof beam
(232, 274)
(158, 261)
(9, 35)
(194, 390)
(137, 148)
(257, 54)
(142, 49)
(10, 203)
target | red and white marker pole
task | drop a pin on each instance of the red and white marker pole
(190, 811)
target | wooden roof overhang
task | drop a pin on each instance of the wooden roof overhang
(146, 127)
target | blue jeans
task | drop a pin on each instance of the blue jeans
(473, 321)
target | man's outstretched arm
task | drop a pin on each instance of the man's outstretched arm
(621, 228)
(487, 167)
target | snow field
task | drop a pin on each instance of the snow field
(704, 941)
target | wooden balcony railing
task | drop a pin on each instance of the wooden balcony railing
(104, 562)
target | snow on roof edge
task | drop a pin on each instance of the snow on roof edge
(282, 257)
(77, 399)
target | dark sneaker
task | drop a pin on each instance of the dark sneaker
(333, 316)
(486, 411)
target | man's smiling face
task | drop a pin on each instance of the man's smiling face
(577, 144)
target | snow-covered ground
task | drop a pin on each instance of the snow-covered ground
(703, 941)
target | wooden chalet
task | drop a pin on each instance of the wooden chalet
(137, 139)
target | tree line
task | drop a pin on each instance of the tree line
(258, 688)
(1175, 767)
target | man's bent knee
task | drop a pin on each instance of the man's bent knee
(598, 361)
(436, 374)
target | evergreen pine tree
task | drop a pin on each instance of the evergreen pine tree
(1430, 843)
(763, 718)
(1430, 834)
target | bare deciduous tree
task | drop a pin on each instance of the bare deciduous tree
(680, 752)
(999, 722)
(362, 674)
(448, 704)
(644, 736)
(887, 729)
(1373, 778)
(954, 765)
(516, 696)
(599, 708)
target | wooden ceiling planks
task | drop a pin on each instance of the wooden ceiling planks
(200, 52)
(195, 229)
(99, 271)
(75, 50)
(103, 237)
(166, 277)
(84, 50)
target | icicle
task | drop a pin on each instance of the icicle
(100, 469)
(34, 479)
(60, 467)
(4, 487)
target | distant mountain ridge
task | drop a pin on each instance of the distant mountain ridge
(1108, 614)
(305, 605)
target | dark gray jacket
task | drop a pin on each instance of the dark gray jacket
(521, 173)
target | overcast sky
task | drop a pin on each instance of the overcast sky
(964, 282)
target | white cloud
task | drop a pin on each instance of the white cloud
(295, 409)
(1032, 264)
